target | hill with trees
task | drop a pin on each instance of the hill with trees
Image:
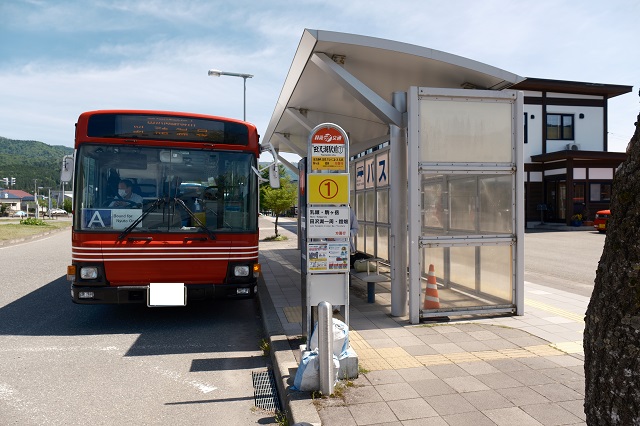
(28, 160)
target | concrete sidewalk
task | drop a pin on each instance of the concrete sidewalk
(525, 370)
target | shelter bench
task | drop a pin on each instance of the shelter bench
(371, 276)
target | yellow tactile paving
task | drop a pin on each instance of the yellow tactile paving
(403, 362)
(543, 350)
(392, 352)
(359, 344)
(554, 310)
(374, 364)
(462, 357)
(489, 355)
(428, 360)
(367, 353)
(516, 353)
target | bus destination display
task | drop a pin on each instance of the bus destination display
(160, 127)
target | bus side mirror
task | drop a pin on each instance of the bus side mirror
(66, 174)
(274, 175)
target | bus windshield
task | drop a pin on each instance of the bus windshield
(139, 189)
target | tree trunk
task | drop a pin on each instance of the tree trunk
(276, 225)
(612, 329)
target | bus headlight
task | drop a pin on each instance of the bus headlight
(89, 273)
(241, 271)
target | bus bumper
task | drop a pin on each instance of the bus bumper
(92, 295)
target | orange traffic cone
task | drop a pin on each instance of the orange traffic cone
(431, 299)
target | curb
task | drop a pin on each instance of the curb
(298, 406)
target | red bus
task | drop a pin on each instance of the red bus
(165, 208)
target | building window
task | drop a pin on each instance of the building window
(600, 192)
(526, 127)
(560, 126)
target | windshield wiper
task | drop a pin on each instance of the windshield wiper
(144, 214)
(195, 218)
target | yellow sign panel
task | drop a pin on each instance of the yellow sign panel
(328, 188)
(327, 163)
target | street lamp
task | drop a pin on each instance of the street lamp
(218, 73)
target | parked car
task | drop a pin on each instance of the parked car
(600, 222)
(19, 213)
(58, 212)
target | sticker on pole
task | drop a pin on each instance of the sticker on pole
(328, 148)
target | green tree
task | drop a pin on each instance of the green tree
(612, 321)
(279, 200)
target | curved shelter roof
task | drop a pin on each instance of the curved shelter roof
(349, 80)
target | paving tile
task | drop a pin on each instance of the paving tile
(447, 370)
(337, 416)
(563, 375)
(383, 377)
(556, 392)
(565, 361)
(499, 381)
(522, 396)
(575, 385)
(408, 341)
(473, 346)
(487, 400)
(415, 408)
(430, 421)
(446, 329)
(446, 348)
(430, 339)
(511, 416)
(538, 363)
(396, 391)
(506, 365)
(423, 349)
(428, 388)
(415, 374)
(483, 335)
(450, 404)
(383, 343)
(530, 377)
(421, 330)
(550, 414)
(473, 418)
(478, 368)
(465, 384)
(372, 413)
(372, 334)
(498, 344)
(361, 395)
(575, 407)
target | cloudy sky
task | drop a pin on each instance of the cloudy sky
(59, 58)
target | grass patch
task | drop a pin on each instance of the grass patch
(12, 230)
(265, 347)
(276, 238)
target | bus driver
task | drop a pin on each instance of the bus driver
(126, 198)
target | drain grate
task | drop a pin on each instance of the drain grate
(264, 390)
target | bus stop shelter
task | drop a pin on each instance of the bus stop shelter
(436, 165)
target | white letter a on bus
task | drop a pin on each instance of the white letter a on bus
(96, 218)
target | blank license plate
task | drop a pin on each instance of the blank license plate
(167, 294)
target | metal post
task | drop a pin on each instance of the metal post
(398, 197)
(244, 101)
(325, 347)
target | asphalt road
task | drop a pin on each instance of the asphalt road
(564, 260)
(67, 364)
